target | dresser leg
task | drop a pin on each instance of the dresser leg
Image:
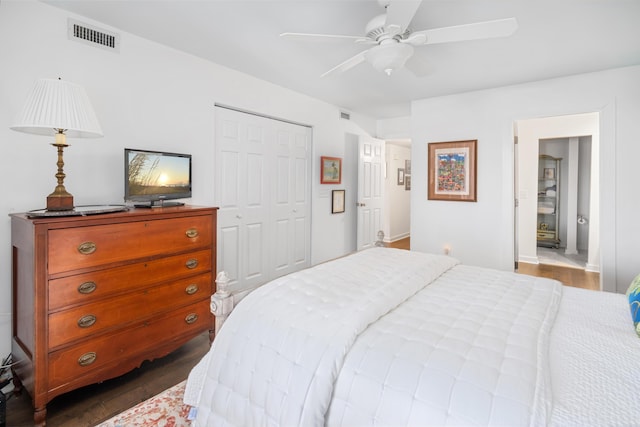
(40, 417)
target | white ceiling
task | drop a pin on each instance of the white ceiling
(555, 38)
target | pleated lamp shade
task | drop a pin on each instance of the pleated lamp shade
(57, 104)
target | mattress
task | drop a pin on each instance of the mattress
(390, 337)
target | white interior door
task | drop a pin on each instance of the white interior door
(263, 192)
(370, 190)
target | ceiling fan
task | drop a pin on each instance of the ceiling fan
(394, 40)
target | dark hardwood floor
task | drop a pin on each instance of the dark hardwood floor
(94, 404)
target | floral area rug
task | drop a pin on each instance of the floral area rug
(162, 410)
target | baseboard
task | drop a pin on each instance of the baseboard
(397, 237)
(529, 259)
(592, 268)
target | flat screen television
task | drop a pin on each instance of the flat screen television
(153, 177)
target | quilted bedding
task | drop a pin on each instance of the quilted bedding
(385, 337)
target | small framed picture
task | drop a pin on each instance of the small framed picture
(407, 167)
(330, 170)
(337, 201)
(400, 176)
(407, 182)
(549, 173)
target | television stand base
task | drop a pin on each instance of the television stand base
(160, 204)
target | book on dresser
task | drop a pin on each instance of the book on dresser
(95, 296)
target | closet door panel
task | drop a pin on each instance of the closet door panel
(255, 252)
(229, 243)
(300, 243)
(282, 245)
(266, 193)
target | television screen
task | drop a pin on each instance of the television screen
(155, 176)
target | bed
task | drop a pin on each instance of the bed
(391, 337)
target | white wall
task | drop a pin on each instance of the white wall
(482, 233)
(397, 199)
(394, 128)
(145, 96)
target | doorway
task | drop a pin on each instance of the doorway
(572, 191)
(534, 136)
(398, 191)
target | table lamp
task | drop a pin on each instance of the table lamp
(60, 108)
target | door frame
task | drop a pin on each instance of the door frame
(525, 196)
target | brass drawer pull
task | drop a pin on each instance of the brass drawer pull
(87, 248)
(191, 233)
(87, 321)
(191, 289)
(87, 358)
(191, 318)
(192, 263)
(87, 287)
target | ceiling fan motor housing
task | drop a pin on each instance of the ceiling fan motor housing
(389, 56)
(376, 30)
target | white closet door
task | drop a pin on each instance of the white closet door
(262, 185)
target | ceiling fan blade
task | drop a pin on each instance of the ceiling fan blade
(348, 64)
(308, 36)
(400, 13)
(475, 31)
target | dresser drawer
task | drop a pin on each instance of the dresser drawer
(87, 287)
(74, 362)
(87, 320)
(84, 247)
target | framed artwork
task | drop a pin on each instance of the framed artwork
(407, 167)
(549, 173)
(452, 171)
(400, 176)
(337, 201)
(407, 182)
(330, 170)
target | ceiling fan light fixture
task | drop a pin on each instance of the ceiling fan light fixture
(389, 57)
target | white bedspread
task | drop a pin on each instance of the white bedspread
(595, 350)
(405, 338)
(470, 349)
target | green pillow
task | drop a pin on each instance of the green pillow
(633, 293)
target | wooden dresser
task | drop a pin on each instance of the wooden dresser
(94, 296)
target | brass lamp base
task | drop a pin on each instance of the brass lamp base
(60, 199)
(59, 202)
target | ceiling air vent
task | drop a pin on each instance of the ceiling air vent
(344, 115)
(93, 36)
